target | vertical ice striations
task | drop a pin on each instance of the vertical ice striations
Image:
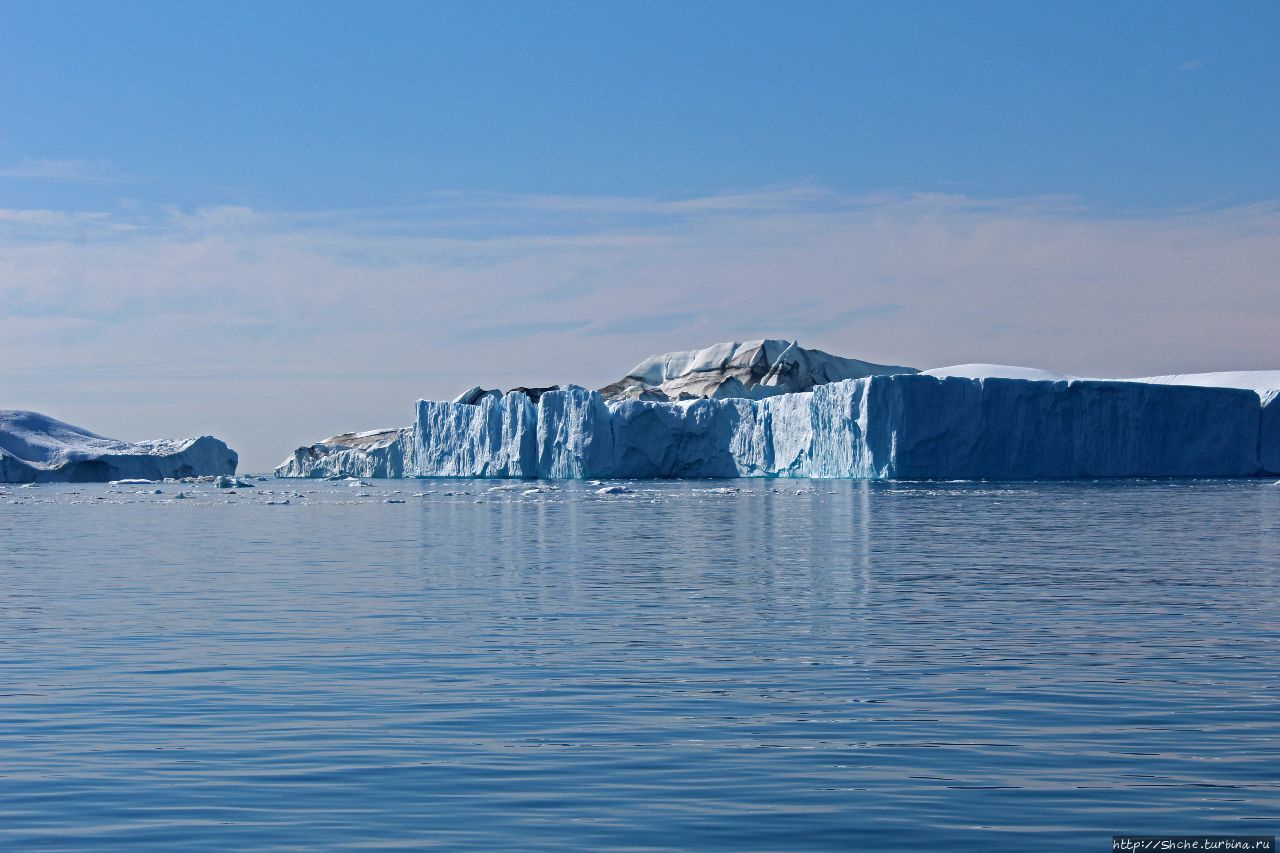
(496, 437)
(892, 426)
(574, 434)
(686, 439)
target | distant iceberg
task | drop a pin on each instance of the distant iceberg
(36, 448)
(958, 423)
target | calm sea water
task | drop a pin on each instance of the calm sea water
(798, 665)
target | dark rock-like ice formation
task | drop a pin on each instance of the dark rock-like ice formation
(754, 370)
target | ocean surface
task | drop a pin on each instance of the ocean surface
(717, 665)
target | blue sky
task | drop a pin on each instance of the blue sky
(338, 104)
(209, 209)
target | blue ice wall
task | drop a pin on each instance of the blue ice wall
(898, 426)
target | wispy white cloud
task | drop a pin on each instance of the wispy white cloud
(51, 219)
(84, 171)
(277, 328)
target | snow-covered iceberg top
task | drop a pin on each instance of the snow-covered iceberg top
(38, 448)
(751, 369)
(997, 371)
(1266, 382)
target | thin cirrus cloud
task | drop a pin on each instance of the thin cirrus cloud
(83, 171)
(278, 328)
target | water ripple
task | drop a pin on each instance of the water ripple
(808, 665)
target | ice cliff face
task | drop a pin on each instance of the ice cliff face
(883, 426)
(1265, 383)
(754, 369)
(35, 448)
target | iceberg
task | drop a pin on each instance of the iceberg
(770, 408)
(36, 448)
(374, 453)
(887, 426)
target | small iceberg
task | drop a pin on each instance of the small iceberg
(37, 448)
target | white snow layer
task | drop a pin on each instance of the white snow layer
(1261, 381)
(37, 448)
(892, 426)
(997, 371)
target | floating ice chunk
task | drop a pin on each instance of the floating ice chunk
(614, 490)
